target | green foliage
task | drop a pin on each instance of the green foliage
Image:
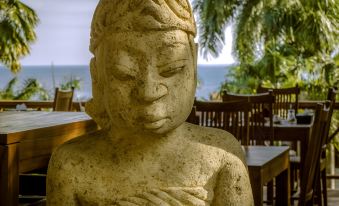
(8, 91)
(277, 43)
(212, 16)
(298, 25)
(30, 88)
(71, 82)
(17, 23)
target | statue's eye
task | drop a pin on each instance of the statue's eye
(122, 72)
(172, 69)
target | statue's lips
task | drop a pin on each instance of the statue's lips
(155, 124)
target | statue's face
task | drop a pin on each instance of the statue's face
(149, 80)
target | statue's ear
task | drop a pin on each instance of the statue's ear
(195, 57)
(93, 71)
(94, 107)
(97, 83)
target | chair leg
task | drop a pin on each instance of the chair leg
(293, 179)
(324, 186)
(318, 191)
(310, 203)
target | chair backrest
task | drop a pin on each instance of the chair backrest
(229, 116)
(332, 95)
(284, 98)
(193, 118)
(63, 100)
(312, 160)
(260, 117)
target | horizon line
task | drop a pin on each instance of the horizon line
(32, 65)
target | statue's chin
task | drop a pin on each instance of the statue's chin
(159, 128)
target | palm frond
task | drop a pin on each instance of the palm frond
(8, 91)
(213, 16)
(17, 24)
(248, 31)
(30, 88)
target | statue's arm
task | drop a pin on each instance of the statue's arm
(178, 196)
(233, 185)
(59, 182)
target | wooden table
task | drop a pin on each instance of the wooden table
(264, 164)
(27, 140)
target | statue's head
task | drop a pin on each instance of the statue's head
(144, 65)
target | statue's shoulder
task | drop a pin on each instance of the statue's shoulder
(76, 148)
(213, 136)
(216, 137)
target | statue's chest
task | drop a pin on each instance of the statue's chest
(149, 171)
(124, 177)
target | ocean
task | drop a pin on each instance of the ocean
(210, 78)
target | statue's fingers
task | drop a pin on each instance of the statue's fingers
(126, 203)
(186, 198)
(200, 193)
(154, 199)
(134, 201)
(166, 197)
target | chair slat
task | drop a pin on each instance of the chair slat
(260, 115)
(232, 117)
(310, 170)
(63, 100)
(284, 97)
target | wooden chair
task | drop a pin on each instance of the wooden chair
(260, 116)
(260, 121)
(193, 118)
(284, 98)
(321, 191)
(310, 169)
(63, 100)
(332, 95)
(229, 116)
(331, 99)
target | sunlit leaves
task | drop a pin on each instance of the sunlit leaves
(17, 22)
(212, 17)
(279, 42)
(29, 89)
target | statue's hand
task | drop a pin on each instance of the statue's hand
(176, 196)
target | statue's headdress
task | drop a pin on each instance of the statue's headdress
(140, 15)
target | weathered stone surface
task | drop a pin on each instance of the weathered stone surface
(144, 80)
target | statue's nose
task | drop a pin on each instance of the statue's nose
(150, 90)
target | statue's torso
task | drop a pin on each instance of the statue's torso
(114, 174)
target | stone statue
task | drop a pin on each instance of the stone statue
(144, 81)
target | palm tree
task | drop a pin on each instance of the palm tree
(8, 91)
(17, 23)
(271, 36)
(29, 89)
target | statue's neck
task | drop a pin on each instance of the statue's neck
(144, 139)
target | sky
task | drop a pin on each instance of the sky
(63, 34)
